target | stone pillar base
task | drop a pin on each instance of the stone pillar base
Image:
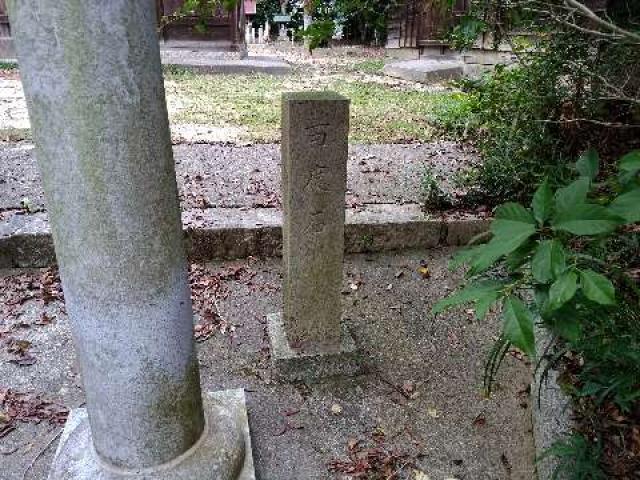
(222, 453)
(292, 365)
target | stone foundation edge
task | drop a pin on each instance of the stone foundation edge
(551, 412)
(75, 457)
(25, 240)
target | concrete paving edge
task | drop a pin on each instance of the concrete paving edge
(231, 233)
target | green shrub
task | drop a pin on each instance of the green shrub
(576, 86)
(432, 195)
(565, 264)
(577, 459)
(537, 265)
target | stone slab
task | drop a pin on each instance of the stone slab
(231, 176)
(214, 62)
(292, 365)
(223, 453)
(425, 70)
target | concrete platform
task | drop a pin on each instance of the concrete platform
(230, 198)
(426, 70)
(229, 233)
(209, 61)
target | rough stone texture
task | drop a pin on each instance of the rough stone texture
(391, 227)
(462, 230)
(315, 127)
(459, 432)
(425, 70)
(97, 108)
(295, 365)
(222, 453)
(551, 411)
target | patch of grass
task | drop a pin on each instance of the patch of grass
(431, 193)
(369, 66)
(379, 113)
(8, 65)
(452, 114)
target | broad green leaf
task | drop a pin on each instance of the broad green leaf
(542, 203)
(497, 248)
(631, 162)
(566, 323)
(586, 219)
(518, 325)
(464, 256)
(563, 290)
(520, 255)
(541, 295)
(549, 261)
(575, 193)
(484, 303)
(597, 287)
(511, 228)
(588, 165)
(628, 180)
(470, 293)
(627, 206)
(513, 212)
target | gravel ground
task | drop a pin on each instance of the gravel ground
(421, 397)
(233, 176)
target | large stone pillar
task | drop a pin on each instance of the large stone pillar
(93, 82)
(309, 339)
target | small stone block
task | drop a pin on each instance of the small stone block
(222, 453)
(292, 365)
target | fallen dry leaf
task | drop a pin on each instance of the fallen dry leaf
(420, 475)
(424, 272)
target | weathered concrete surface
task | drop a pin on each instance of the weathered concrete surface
(223, 452)
(426, 70)
(97, 107)
(552, 411)
(231, 200)
(460, 433)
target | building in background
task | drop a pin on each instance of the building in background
(220, 30)
(420, 25)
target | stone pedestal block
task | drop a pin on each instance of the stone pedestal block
(294, 365)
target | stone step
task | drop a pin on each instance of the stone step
(425, 70)
(227, 233)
